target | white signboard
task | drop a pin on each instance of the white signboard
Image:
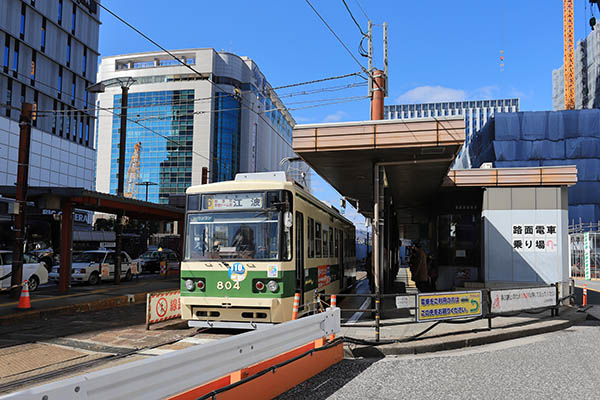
(162, 306)
(403, 302)
(522, 299)
(587, 255)
(534, 238)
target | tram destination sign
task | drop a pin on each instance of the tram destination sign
(448, 305)
(231, 201)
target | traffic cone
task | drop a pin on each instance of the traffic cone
(24, 303)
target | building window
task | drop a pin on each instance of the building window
(73, 90)
(43, 41)
(84, 60)
(60, 11)
(55, 118)
(87, 132)
(69, 51)
(80, 129)
(32, 3)
(227, 142)
(23, 92)
(32, 72)
(6, 53)
(16, 59)
(60, 75)
(325, 241)
(22, 30)
(8, 96)
(67, 125)
(61, 120)
(74, 19)
(34, 108)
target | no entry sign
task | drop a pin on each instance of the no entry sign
(162, 306)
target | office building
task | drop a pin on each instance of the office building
(475, 112)
(587, 75)
(219, 113)
(49, 57)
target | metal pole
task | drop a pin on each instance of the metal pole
(120, 180)
(21, 197)
(385, 58)
(370, 57)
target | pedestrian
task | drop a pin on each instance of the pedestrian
(420, 276)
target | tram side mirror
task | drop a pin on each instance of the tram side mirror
(288, 219)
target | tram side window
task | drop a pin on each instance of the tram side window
(325, 236)
(311, 238)
(331, 237)
(337, 242)
(318, 239)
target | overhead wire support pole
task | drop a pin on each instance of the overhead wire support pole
(21, 197)
(370, 57)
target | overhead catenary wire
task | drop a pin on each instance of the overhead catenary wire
(361, 9)
(354, 19)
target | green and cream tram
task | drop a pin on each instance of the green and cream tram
(251, 243)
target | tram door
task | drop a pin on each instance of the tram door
(340, 239)
(300, 252)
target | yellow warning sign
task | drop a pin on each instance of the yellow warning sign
(448, 305)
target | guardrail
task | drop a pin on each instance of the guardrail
(454, 307)
(174, 373)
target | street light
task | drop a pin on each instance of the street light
(100, 87)
(147, 183)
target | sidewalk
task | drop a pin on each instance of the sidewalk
(48, 301)
(400, 327)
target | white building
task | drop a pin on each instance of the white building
(222, 116)
(49, 57)
(476, 112)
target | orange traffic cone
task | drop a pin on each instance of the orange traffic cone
(24, 303)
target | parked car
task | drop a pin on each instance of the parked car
(86, 267)
(150, 260)
(34, 272)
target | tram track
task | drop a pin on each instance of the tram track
(46, 376)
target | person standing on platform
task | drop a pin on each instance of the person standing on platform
(420, 274)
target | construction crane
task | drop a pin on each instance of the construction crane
(569, 54)
(133, 173)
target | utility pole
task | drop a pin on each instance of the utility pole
(121, 180)
(21, 197)
(147, 183)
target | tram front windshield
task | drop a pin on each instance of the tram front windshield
(233, 235)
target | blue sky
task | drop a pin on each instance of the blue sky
(438, 50)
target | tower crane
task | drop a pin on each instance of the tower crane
(133, 173)
(569, 54)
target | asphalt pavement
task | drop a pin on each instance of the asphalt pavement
(558, 365)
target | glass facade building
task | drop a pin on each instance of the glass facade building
(227, 137)
(166, 147)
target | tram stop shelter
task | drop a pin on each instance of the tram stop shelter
(66, 199)
(483, 227)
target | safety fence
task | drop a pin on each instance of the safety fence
(256, 364)
(446, 307)
(584, 254)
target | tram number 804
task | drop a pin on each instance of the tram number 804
(228, 285)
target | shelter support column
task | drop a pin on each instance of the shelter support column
(180, 226)
(377, 231)
(66, 236)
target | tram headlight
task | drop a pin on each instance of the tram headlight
(189, 285)
(273, 286)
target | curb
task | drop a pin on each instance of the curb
(431, 345)
(96, 305)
